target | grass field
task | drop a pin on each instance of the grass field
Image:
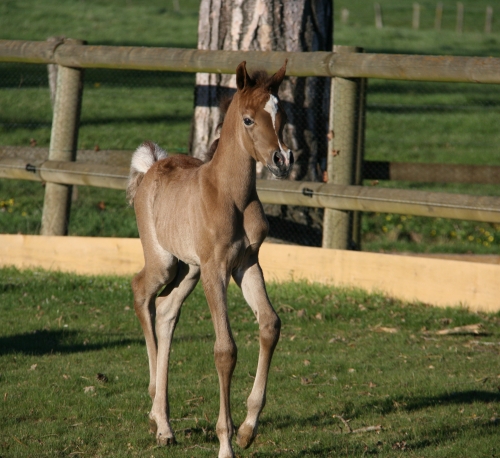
(368, 359)
(398, 14)
(406, 121)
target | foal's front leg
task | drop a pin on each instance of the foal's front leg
(225, 351)
(251, 281)
(168, 306)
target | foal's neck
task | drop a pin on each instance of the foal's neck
(233, 166)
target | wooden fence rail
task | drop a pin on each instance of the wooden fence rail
(372, 170)
(309, 194)
(345, 65)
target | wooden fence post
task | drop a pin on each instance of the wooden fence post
(489, 19)
(378, 16)
(460, 17)
(344, 15)
(63, 143)
(416, 16)
(439, 16)
(341, 229)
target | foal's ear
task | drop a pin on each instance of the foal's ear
(242, 76)
(277, 78)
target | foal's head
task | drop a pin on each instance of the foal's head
(261, 119)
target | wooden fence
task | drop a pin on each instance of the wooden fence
(414, 16)
(344, 66)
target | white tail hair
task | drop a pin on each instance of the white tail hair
(142, 160)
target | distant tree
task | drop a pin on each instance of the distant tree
(268, 25)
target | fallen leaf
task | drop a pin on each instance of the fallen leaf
(367, 429)
(307, 362)
(416, 237)
(319, 316)
(33, 367)
(301, 313)
(474, 329)
(286, 308)
(89, 389)
(385, 329)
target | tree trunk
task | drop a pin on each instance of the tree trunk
(268, 25)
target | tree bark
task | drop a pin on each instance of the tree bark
(268, 25)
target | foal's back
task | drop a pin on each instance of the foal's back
(167, 207)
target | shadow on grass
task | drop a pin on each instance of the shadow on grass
(430, 437)
(46, 342)
(442, 435)
(386, 407)
(21, 75)
(409, 404)
(171, 119)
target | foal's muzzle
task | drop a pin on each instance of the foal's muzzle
(282, 162)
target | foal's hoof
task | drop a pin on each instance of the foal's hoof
(246, 435)
(163, 441)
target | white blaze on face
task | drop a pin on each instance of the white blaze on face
(272, 108)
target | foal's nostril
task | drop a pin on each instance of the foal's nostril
(278, 159)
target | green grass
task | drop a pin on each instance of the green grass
(129, 22)
(434, 396)
(406, 121)
(398, 14)
(94, 212)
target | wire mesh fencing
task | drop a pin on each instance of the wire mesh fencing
(407, 125)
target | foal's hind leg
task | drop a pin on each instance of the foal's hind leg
(168, 307)
(252, 285)
(145, 286)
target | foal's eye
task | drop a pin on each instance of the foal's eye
(248, 121)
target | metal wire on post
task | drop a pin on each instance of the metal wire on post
(63, 144)
(345, 154)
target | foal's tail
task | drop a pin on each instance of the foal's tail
(142, 159)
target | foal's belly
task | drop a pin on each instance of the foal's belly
(179, 242)
(196, 234)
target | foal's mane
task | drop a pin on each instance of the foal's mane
(259, 78)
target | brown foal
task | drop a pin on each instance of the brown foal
(205, 219)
